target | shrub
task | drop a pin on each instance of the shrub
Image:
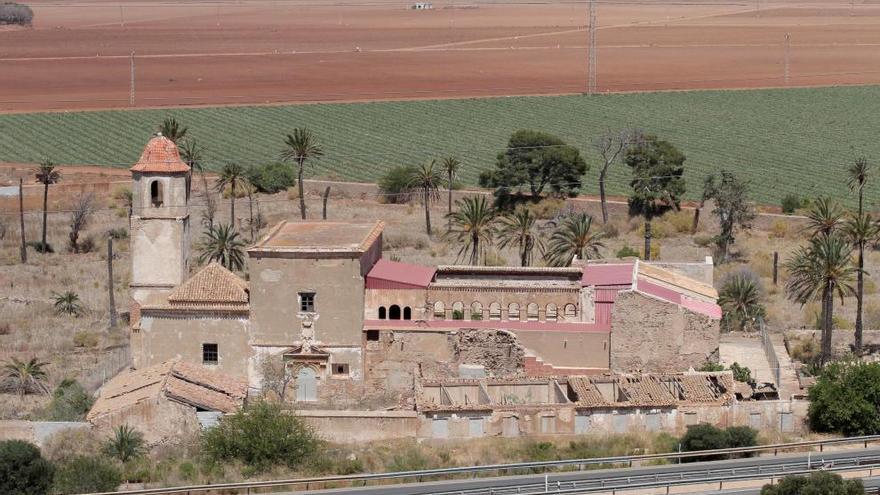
(85, 338)
(272, 178)
(845, 399)
(40, 247)
(681, 221)
(790, 203)
(23, 471)
(627, 252)
(15, 13)
(74, 442)
(610, 230)
(260, 435)
(70, 402)
(806, 351)
(710, 366)
(779, 229)
(83, 474)
(540, 451)
(547, 208)
(703, 240)
(820, 482)
(412, 459)
(125, 444)
(118, 234)
(742, 373)
(707, 437)
(394, 185)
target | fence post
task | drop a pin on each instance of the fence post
(775, 267)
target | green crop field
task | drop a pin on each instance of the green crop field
(784, 141)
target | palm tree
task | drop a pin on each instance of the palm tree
(67, 303)
(858, 177)
(741, 298)
(125, 444)
(520, 229)
(301, 145)
(824, 217)
(172, 129)
(450, 165)
(233, 176)
(427, 179)
(191, 153)
(820, 271)
(860, 230)
(26, 377)
(46, 175)
(224, 245)
(473, 226)
(573, 238)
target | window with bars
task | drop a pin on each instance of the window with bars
(210, 354)
(307, 302)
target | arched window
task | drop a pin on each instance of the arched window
(570, 311)
(476, 311)
(156, 196)
(382, 313)
(494, 311)
(457, 310)
(532, 312)
(439, 310)
(552, 312)
(394, 312)
(513, 311)
(407, 313)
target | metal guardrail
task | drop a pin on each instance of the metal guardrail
(770, 352)
(306, 483)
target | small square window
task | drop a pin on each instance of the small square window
(340, 368)
(307, 302)
(210, 354)
(373, 335)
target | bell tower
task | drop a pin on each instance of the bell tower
(159, 221)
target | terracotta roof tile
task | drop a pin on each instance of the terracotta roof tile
(213, 285)
(160, 155)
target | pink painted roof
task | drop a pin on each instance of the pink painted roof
(658, 291)
(706, 308)
(599, 274)
(401, 273)
(491, 324)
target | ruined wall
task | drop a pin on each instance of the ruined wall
(36, 432)
(566, 348)
(181, 337)
(702, 272)
(275, 282)
(497, 351)
(650, 335)
(362, 426)
(159, 419)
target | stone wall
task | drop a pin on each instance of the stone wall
(36, 432)
(168, 337)
(654, 336)
(159, 419)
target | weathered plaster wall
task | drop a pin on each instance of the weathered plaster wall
(703, 272)
(159, 248)
(362, 426)
(275, 282)
(159, 419)
(36, 432)
(413, 298)
(567, 349)
(166, 337)
(650, 335)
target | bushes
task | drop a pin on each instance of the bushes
(394, 185)
(260, 435)
(85, 338)
(272, 178)
(627, 252)
(15, 13)
(87, 475)
(818, 483)
(23, 471)
(845, 399)
(707, 437)
(70, 402)
(790, 203)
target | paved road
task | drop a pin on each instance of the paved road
(616, 477)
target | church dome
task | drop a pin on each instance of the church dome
(160, 156)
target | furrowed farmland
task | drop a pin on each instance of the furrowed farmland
(785, 141)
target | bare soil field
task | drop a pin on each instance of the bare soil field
(78, 53)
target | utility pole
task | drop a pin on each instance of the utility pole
(21, 217)
(131, 85)
(112, 300)
(787, 74)
(591, 60)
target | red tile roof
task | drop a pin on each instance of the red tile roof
(599, 274)
(387, 274)
(160, 155)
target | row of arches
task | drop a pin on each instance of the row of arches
(514, 311)
(395, 312)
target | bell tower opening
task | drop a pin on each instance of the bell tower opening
(156, 194)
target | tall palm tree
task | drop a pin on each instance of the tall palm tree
(820, 271)
(223, 245)
(125, 444)
(520, 229)
(824, 217)
(47, 175)
(858, 177)
(192, 154)
(427, 179)
(741, 299)
(450, 165)
(301, 145)
(573, 237)
(26, 377)
(860, 230)
(172, 129)
(473, 226)
(67, 303)
(233, 176)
